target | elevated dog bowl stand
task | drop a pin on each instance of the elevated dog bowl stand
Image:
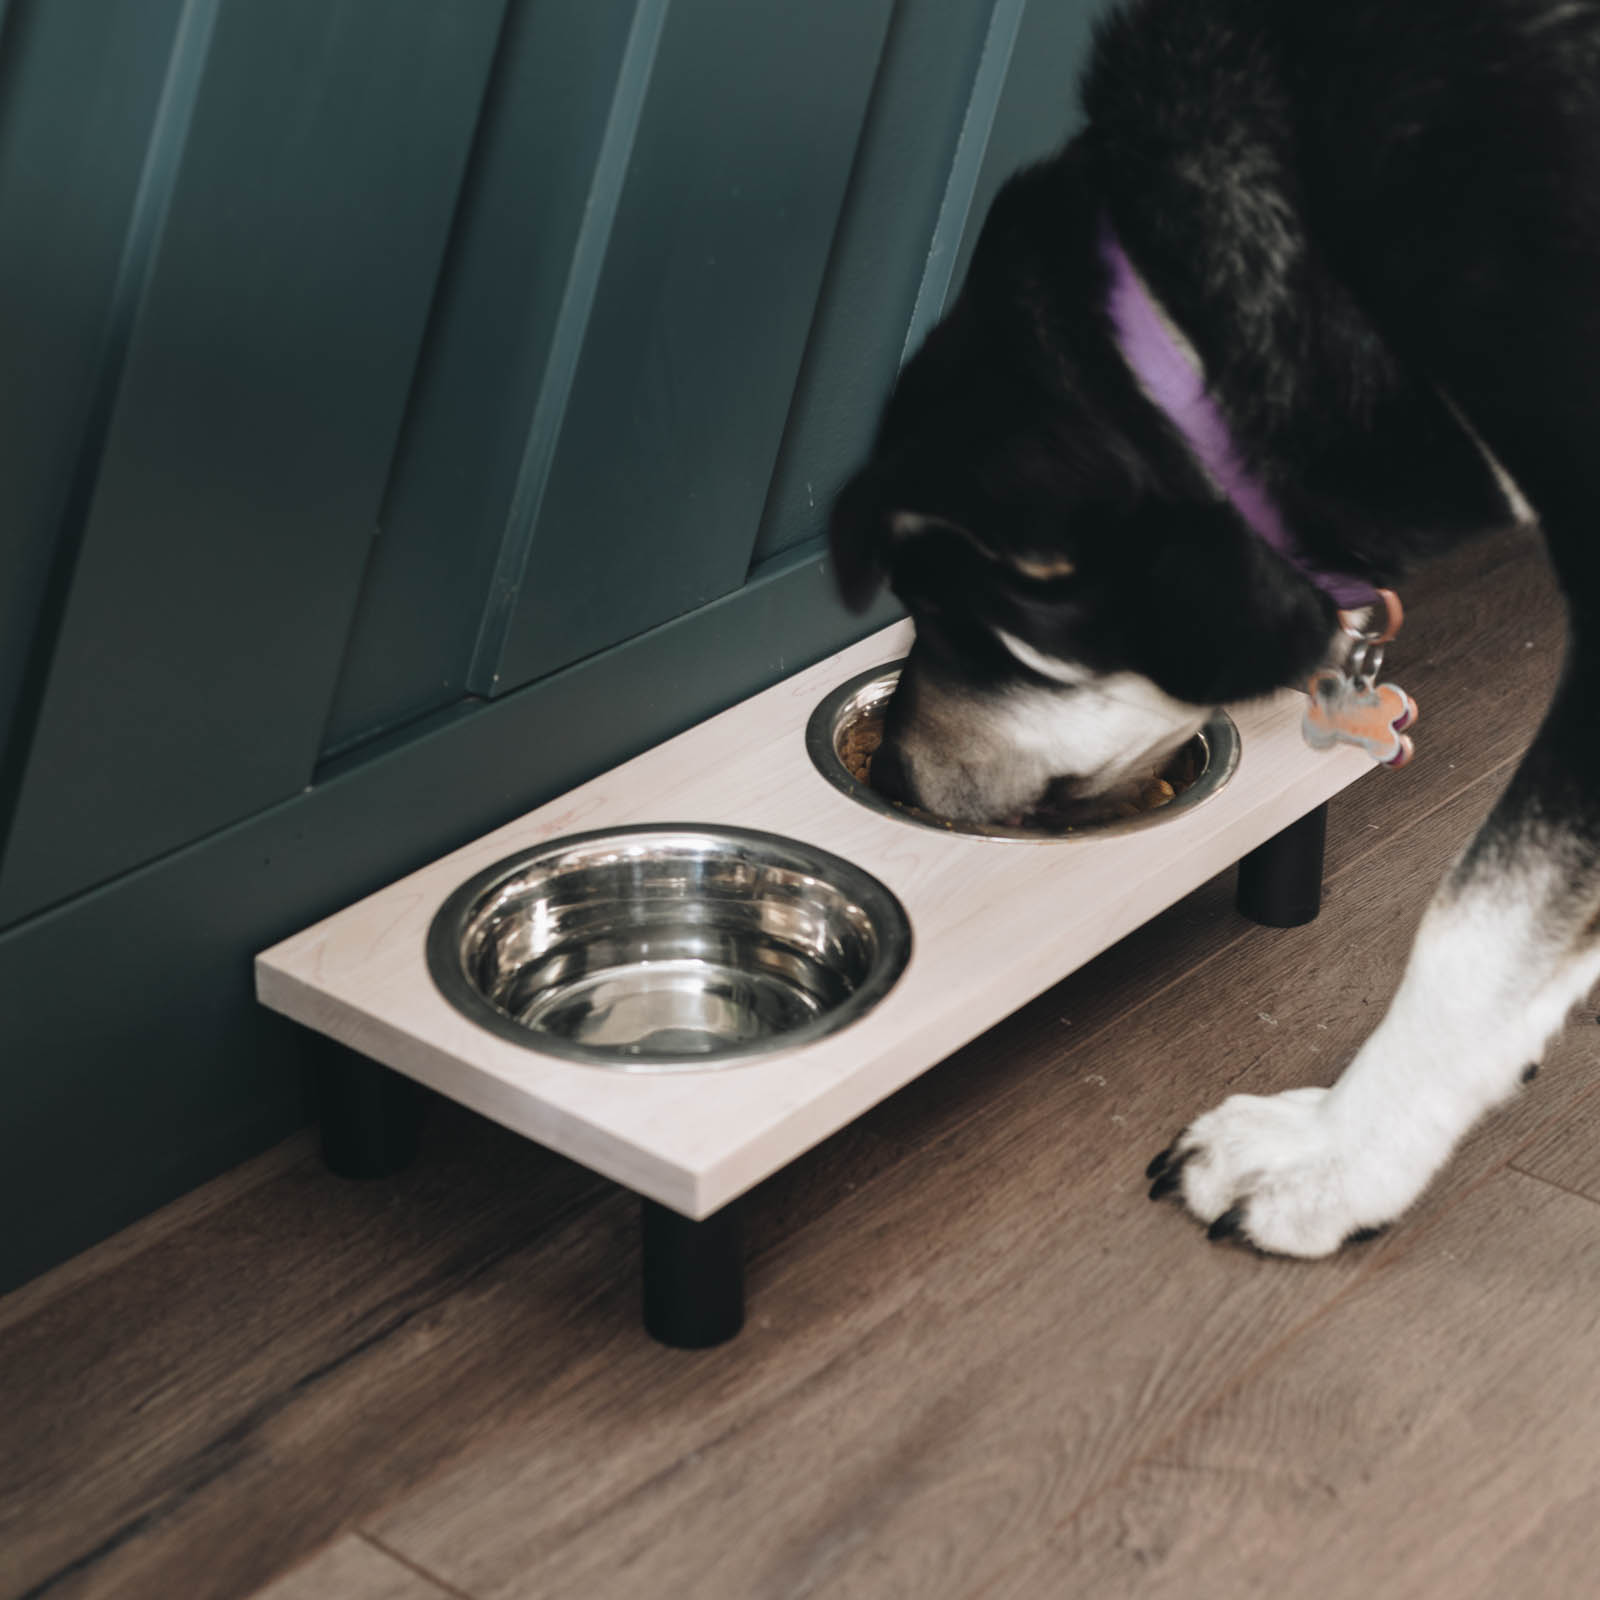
(994, 923)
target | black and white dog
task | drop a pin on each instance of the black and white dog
(1373, 228)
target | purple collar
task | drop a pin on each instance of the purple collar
(1168, 377)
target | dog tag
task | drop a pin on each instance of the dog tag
(1346, 710)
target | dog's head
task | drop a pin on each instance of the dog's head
(1082, 597)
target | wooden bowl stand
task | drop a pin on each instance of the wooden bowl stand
(994, 923)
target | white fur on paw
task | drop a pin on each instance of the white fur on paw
(1270, 1167)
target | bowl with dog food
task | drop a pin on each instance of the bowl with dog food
(661, 948)
(847, 726)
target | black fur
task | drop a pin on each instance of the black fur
(1018, 422)
(1378, 224)
(1294, 183)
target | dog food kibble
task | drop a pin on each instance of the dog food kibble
(1161, 788)
(860, 740)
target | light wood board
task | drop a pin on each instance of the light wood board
(993, 924)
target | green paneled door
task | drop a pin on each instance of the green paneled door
(81, 82)
(297, 206)
(409, 408)
(660, 450)
(621, 325)
(921, 103)
(558, 73)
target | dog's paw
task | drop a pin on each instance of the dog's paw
(1269, 1171)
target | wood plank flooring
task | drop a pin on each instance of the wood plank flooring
(354, 1569)
(978, 1361)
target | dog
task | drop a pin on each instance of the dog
(1371, 233)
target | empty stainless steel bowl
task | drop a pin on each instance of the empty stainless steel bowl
(1216, 748)
(662, 947)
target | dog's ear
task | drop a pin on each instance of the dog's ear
(858, 537)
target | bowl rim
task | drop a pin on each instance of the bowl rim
(1219, 734)
(444, 953)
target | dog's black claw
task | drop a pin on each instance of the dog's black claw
(1530, 1072)
(1166, 1184)
(1229, 1225)
(1167, 1169)
(1362, 1235)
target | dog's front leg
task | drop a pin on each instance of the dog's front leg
(1509, 944)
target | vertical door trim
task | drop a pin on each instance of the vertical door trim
(158, 178)
(572, 323)
(983, 105)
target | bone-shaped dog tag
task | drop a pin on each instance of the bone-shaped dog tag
(1345, 710)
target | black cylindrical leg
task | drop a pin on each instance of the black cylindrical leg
(1280, 882)
(370, 1115)
(693, 1276)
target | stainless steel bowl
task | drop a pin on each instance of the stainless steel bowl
(668, 947)
(1217, 745)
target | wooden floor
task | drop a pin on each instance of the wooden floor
(979, 1361)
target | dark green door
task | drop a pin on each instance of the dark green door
(407, 409)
